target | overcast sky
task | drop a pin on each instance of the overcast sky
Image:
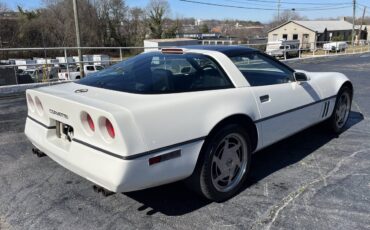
(200, 11)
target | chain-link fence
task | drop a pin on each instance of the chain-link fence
(34, 65)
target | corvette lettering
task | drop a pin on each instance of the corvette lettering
(65, 116)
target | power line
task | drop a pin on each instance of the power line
(292, 3)
(266, 9)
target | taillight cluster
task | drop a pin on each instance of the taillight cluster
(34, 104)
(103, 125)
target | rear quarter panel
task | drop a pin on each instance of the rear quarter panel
(170, 119)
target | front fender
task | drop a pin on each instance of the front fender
(328, 83)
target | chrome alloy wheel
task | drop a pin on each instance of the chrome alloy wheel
(342, 109)
(229, 162)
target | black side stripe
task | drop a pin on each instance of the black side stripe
(138, 155)
(42, 124)
(164, 148)
(292, 110)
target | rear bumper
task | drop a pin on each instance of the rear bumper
(113, 173)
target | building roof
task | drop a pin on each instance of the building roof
(320, 26)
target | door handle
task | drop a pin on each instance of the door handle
(264, 98)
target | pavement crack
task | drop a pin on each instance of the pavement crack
(319, 169)
(273, 213)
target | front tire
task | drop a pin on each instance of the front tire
(340, 115)
(224, 163)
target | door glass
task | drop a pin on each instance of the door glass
(261, 70)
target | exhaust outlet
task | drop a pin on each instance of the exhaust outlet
(38, 153)
(103, 191)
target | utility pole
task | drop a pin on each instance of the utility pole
(353, 22)
(362, 22)
(77, 25)
(278, 10)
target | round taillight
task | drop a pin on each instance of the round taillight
(110, 129)
(90, 122)
(31, 104)
(39, 107)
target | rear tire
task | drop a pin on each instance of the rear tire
(342, 108)
(223, 163)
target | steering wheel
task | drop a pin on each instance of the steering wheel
(208, 66)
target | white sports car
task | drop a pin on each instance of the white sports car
(197, 112)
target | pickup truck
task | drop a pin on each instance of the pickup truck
(74, 74)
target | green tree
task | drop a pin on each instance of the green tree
(157, 10)
(204, 28)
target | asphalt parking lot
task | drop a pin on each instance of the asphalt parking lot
(313, 180)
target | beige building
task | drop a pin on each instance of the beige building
(312, 34)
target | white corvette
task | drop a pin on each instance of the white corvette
(196, 112)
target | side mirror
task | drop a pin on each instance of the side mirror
(299, 76)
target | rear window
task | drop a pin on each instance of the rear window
(154, 72)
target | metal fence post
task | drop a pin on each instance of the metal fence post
(66, 57)
(16, 76)
(120, 53)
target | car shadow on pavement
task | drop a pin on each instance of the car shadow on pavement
(176, 199)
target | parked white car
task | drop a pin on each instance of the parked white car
(137, 124)
(335, 46)
(75, 74)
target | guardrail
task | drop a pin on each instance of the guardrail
(11, 73)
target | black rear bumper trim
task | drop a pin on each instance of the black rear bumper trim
(40, 123)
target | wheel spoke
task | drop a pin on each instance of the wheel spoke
(233, 149)
(226, 146)
(221, 176)
(219, 163)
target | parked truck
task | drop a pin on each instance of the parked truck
(283, 48)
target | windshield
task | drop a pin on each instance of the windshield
(154, 72)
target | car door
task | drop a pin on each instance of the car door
(286, 106)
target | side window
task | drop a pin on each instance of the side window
(260, 70)
(90, 68)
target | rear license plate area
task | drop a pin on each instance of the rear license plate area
(64, 131)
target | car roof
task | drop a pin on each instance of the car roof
(228, 50)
